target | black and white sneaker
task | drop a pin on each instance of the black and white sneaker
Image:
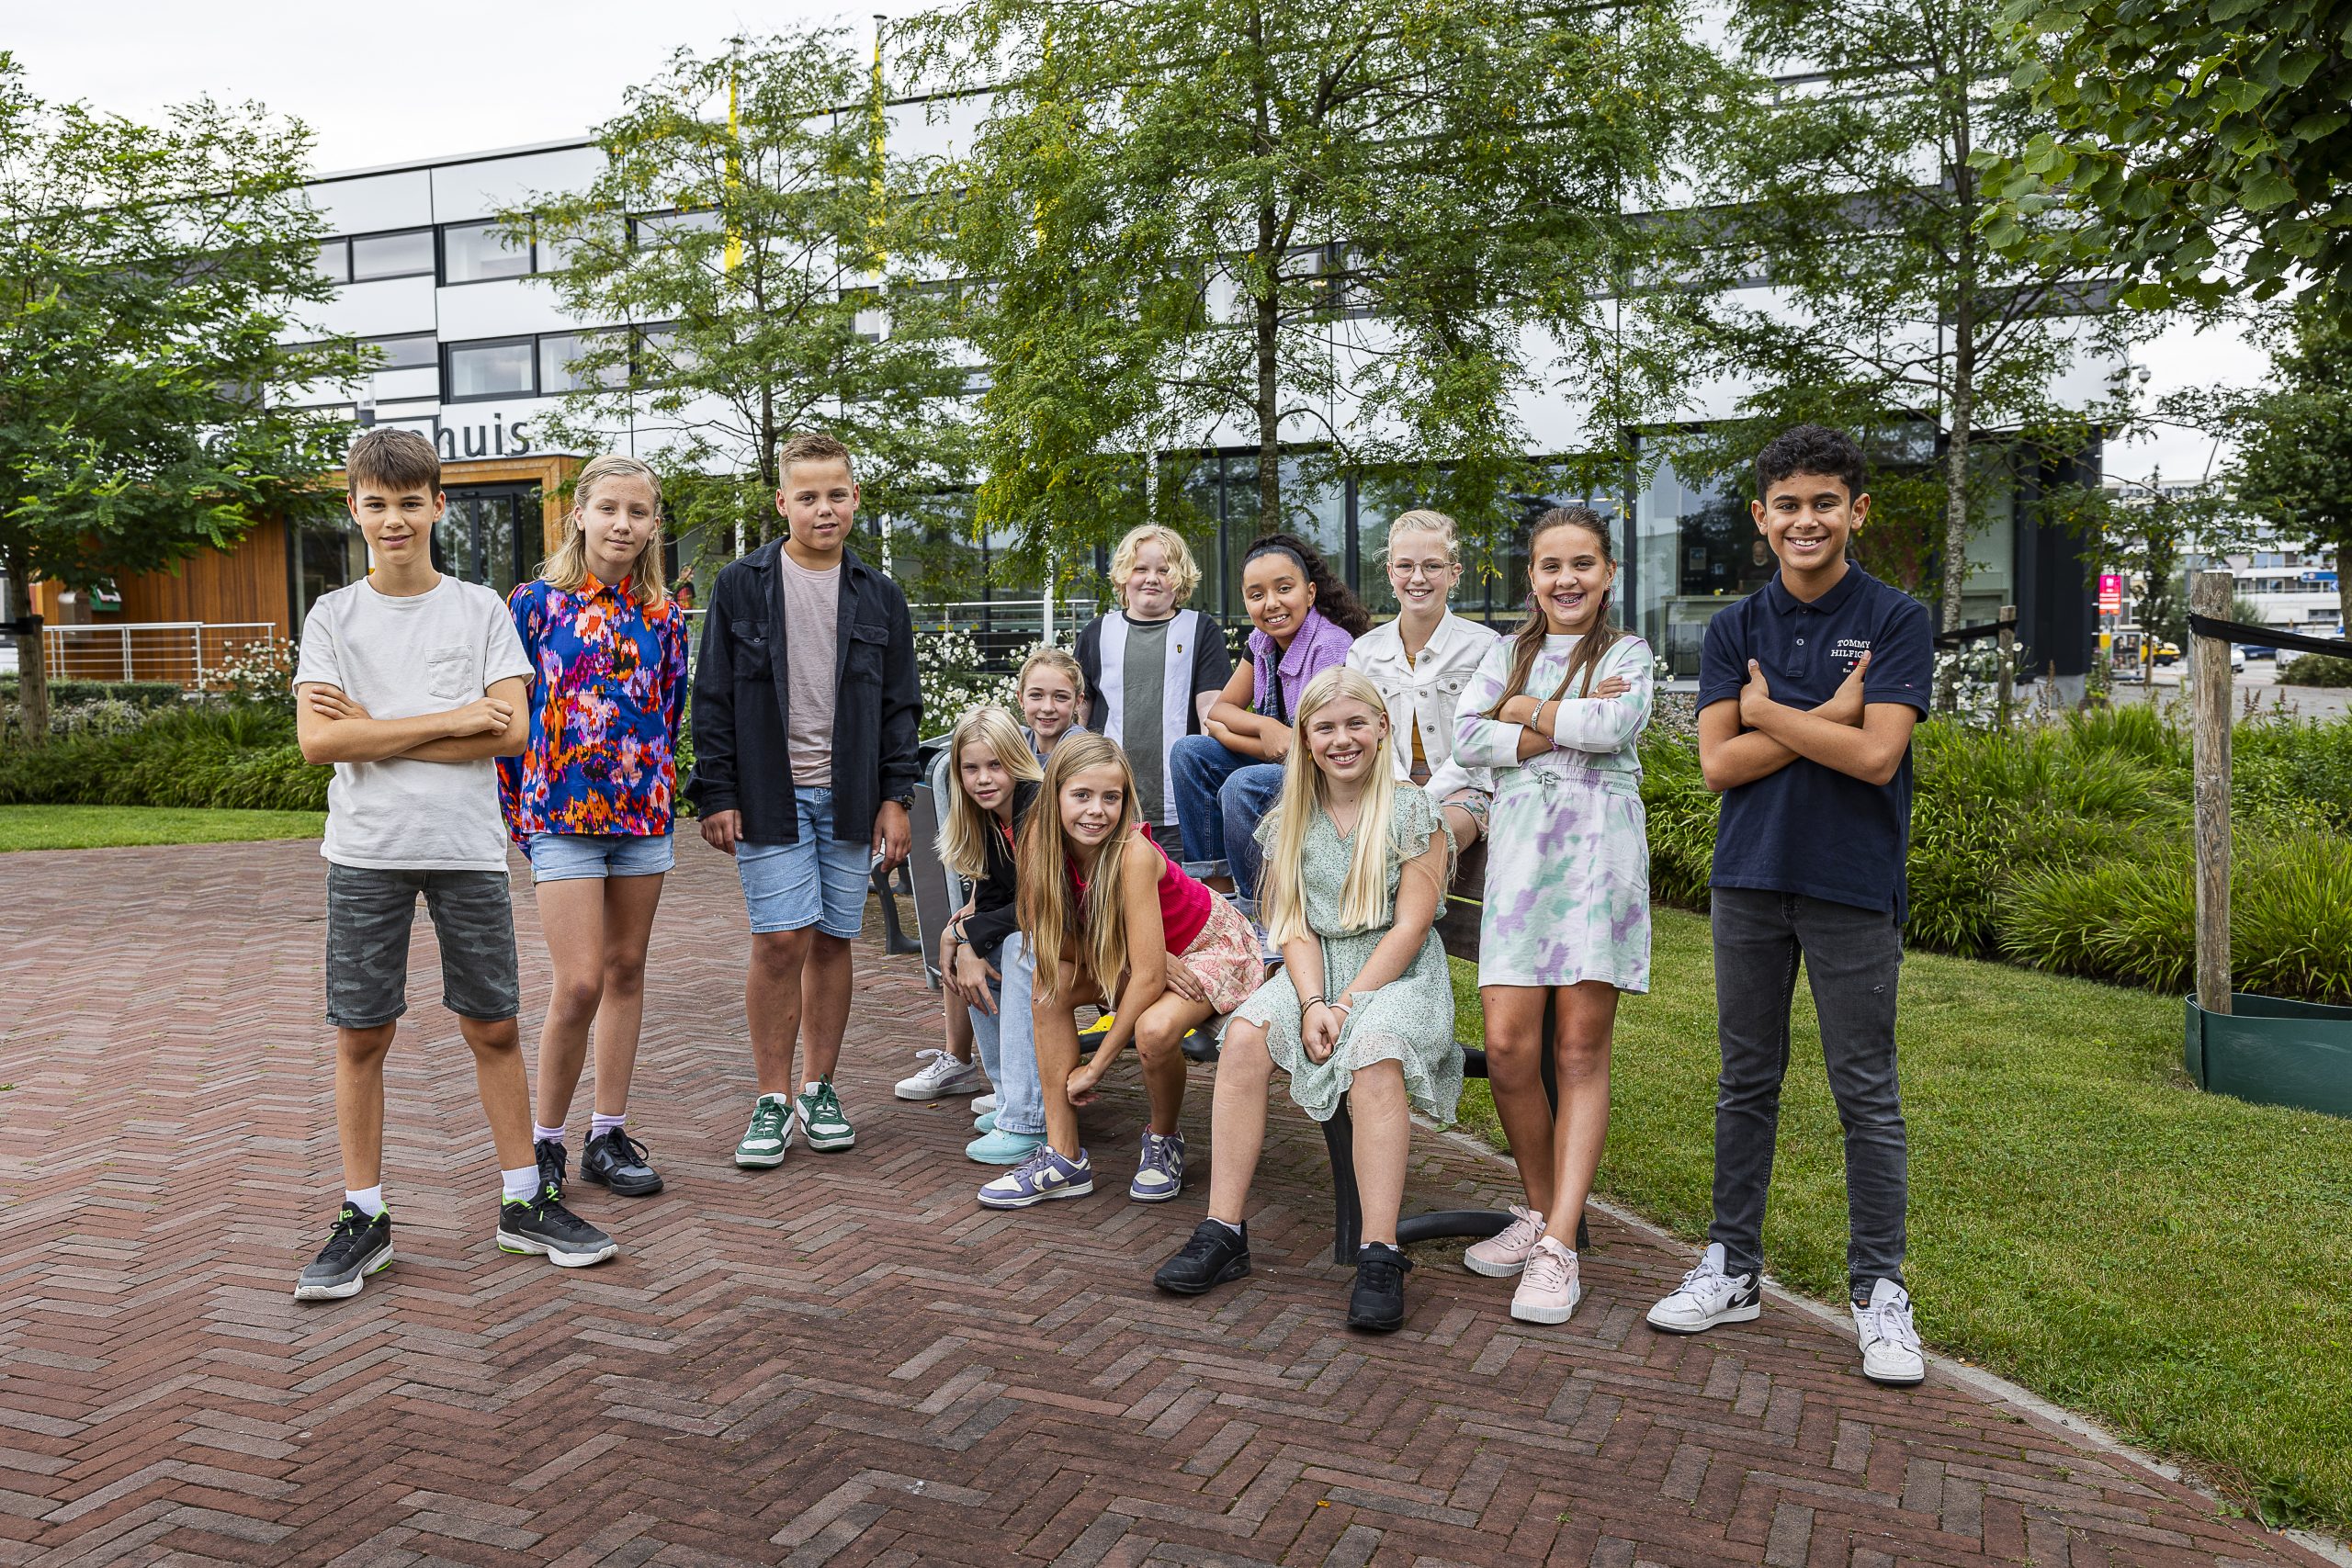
(617, 1161)
(1708, 1296)
(551, 1157)
(543, 1225)
(357, 1247)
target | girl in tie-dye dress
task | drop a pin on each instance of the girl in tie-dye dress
(1555, 712)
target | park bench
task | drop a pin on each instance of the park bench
(938, 893)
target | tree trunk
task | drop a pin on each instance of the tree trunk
(32, 667)
(1964, 388)
(2343, 586)
(1267, 402)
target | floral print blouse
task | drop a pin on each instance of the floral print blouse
(608, 696)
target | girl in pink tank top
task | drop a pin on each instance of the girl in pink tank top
(1113, 922)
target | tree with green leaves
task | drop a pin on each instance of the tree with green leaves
(741, 270)
(150, 277)
(2293, 466)
(1342, 231)
(2203, 144)
(1846, 182)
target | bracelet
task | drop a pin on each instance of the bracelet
(1315, 1001)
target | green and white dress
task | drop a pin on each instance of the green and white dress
(1409, 1021)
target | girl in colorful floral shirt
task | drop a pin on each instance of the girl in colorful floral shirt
(589, 798)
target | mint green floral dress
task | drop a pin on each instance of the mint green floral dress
(1409, 1021)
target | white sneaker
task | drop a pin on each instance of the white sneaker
(1505, 1254)
(1708, 1296)
(941, 1076)
(1890, 1352)
(983, 1105)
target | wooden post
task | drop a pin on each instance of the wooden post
(2209, 668)
(2008, 639)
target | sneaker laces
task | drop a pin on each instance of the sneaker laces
(824, 1103)
(349, 1220)
(1890, 1321)
(937, 1064)
(1524, 1227)
(1705, 1280)
(626, 1149)
(1547, 1269)
(1206, 1239)
(768, 1119)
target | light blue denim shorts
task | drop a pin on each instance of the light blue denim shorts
(816, 881)
(566, 857)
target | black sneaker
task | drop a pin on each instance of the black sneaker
(550, 1155)
(617, 1161)
(1377, 1303)
(357, 1247)
(1216, 1254)
(543, 1225)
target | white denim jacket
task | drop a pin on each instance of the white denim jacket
(1422, 695)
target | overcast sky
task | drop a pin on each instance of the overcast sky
(423, 78)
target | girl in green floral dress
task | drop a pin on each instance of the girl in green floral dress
(1355, 870)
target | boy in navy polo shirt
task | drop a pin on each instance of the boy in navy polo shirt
(1808, 691)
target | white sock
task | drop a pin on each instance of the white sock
(368, 1201)
(542, 1134)
(1234, 1229)
(599, 1123)
(809, 1088)
(521, 1184)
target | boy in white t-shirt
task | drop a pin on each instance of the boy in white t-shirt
(409, 683)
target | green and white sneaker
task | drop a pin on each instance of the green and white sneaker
(769, 1134)
(821, 1116)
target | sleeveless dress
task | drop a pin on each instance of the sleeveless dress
(1409, 1021)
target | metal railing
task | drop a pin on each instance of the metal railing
(187, 653)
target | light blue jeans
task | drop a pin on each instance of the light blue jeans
(1007, 1041)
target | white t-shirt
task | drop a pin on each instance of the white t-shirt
(430, 652)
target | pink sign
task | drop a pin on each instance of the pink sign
(2110, 594)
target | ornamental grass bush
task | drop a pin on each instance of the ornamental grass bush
(2066, 847)
(209, 755)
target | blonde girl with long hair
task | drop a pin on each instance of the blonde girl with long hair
(1363, 1008)
(1565, 918)
(1110, 921)
(984, 963)
(1051, 690)
(589, 800)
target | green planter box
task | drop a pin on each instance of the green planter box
(2274, 1052)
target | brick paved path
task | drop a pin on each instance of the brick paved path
(843, 1360)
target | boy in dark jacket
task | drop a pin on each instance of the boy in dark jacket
(805, 712)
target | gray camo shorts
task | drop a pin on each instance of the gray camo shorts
(369, 914)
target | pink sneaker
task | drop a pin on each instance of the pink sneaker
(1499, 1257)
(1549, 1290)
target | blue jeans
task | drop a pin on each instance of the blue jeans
(1221, 796)
(817, 880)
(1007, 1041)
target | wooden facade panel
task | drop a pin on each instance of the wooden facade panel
(219, 587)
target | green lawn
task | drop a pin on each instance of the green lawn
(2177, 1265)
(96, 826)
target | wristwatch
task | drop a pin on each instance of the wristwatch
(904, 802)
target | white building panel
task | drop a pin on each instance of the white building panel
(485, 187)
(503, 308)
(370, 202)
(382, 309)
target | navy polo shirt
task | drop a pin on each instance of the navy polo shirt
(1809, 829)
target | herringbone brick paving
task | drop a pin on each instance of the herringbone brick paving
(843, 1360)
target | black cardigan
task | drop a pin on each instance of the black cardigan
(741, 759)
(992, 918)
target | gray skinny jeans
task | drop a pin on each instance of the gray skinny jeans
(1852, 959)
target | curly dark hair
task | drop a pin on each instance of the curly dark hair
(1338, 604)
(1810, 449)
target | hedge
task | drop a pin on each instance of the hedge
(2068, 848)
(197, 756)
(62, 693)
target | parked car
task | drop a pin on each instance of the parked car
(2168, 652)
(2256, 650)
(2237, 657)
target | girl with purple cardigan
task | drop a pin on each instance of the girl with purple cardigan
(1304, 620)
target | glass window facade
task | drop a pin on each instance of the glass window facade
(406, 253)
(557, 351)
(478, 252)
(501, 368)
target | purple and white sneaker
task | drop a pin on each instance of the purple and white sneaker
(1044, 1174)
(1159, 1173)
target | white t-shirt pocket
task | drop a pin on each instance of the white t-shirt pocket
(452, 672)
